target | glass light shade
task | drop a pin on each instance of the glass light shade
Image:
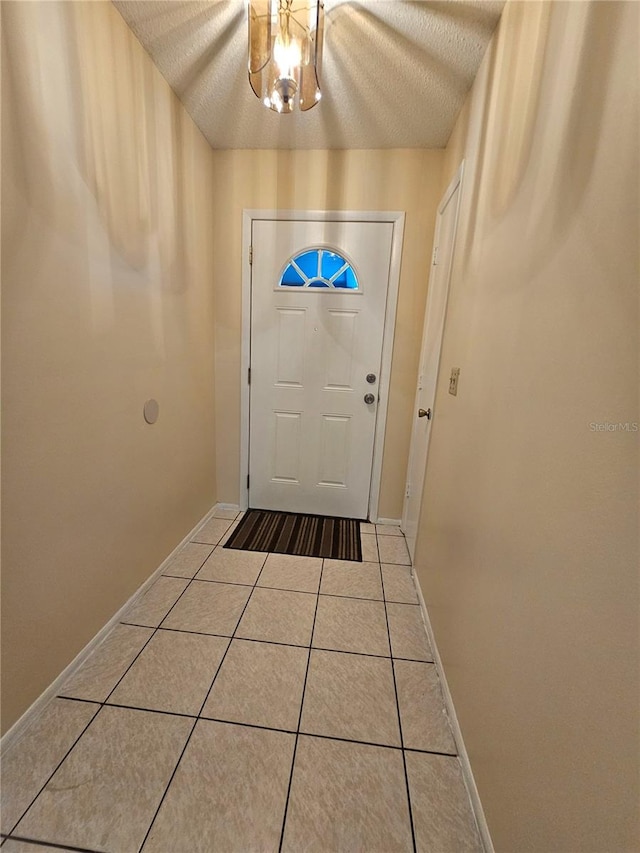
(285, 52)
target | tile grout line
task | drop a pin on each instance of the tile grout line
(106, 704)
(339, 739)
(156, 628)
(304, 690)
(233, 636)
(395, 689)
(284, 588)
(48, 844)
(52, 774)
(265, 728)
(276, 643)
(247, 725)
(164, 794)
(101, 705)
(199, 717)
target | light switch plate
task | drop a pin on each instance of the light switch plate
(453, 381)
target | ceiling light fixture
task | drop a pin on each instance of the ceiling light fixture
(285, 52)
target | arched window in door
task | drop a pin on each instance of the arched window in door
(319, 268)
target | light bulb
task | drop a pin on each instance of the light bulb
(286, 56)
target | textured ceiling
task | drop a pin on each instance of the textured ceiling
(395, 72)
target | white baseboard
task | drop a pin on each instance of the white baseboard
(394, 521)
(232, 507)
(467, 772)
(32, 713)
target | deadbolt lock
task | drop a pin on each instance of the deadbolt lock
(371, 378)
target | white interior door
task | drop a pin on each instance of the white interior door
(311, 433)
(430, 358)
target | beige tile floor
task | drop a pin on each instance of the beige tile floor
(250, 702)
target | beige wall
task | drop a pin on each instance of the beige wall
(528, 547)
(407, 180)
(107, 301)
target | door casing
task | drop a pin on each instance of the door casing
(397, 220)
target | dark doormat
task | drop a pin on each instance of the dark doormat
(302, 535)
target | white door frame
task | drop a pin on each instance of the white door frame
(397, 219)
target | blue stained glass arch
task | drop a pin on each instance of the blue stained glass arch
(319, 268)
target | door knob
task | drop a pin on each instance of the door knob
(424, 413)
(369, 398)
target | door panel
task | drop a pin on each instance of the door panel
(437, 297)
(335, 442)
(291, 337)
(340, 357)
(286, 458)
(311, 433)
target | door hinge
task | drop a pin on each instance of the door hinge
(247, 481)
(250, 255)
(435, 256)
(249, 375)
(407, 491)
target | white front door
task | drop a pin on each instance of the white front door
(437, 297)
(318, 302)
